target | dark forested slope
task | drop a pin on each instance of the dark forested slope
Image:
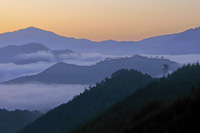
(90, 103)
(12, 121)
(93, 111)
(157, 114)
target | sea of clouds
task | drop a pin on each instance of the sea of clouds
(45, 97)
(40, 97)
(10, 71)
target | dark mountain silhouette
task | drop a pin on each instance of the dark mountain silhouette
(30, 53)
(23, 49)
(121, 116)
(62, 73)
(13, 121)
(180, 43)
(90, 103)
(166, 105)
(49, 39)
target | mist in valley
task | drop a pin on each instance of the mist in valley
(37, 96)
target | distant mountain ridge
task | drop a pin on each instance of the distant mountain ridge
(62, 73)
(180, 43)
(30, 53)
(186, 42)
(165, 44)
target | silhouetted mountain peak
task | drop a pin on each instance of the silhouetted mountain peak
(60, 64)
(35, 45)
(189, 41)
(32, 46)
(32, 28)
(35, 30)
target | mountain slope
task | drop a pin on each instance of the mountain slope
(72, 74)
(148, 45)
(13, 50)
(52, 41)
(180, 43)
(183, 43)
(120, 115)
(30, 53)
(12, 121)
(90, 103)
(31, 34)
(180, 116)
(129, 116)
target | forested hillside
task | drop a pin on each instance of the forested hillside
(89, 104)
(114, 103)
(152, 108)
(12, 121)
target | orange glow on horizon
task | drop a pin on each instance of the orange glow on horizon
(128, 20)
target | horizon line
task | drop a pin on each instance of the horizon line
(34, 27)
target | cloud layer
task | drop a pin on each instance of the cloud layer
(9, 71)
(40, 55)
(46, 56)
(37, 96)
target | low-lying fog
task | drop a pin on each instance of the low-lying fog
(10, 71)
(44, 97)
(37, 96)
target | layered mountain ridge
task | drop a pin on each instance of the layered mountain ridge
(31, 53)
(63, 73)
(186, 42)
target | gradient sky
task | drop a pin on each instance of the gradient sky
(101, 19)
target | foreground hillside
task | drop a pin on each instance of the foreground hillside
(73, 74)
(80, 111)
(89, 104)
(12, 121)
(182, 116)
(151, 110)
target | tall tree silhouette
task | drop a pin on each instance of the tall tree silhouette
(165, 69)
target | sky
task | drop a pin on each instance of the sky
(97, 20)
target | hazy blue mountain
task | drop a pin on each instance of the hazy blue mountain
(13, 50)
(31, 53)
(12, 121)
(150, 44)
(180, 43)
(49, 39)
(63, 73)
(187, 42)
